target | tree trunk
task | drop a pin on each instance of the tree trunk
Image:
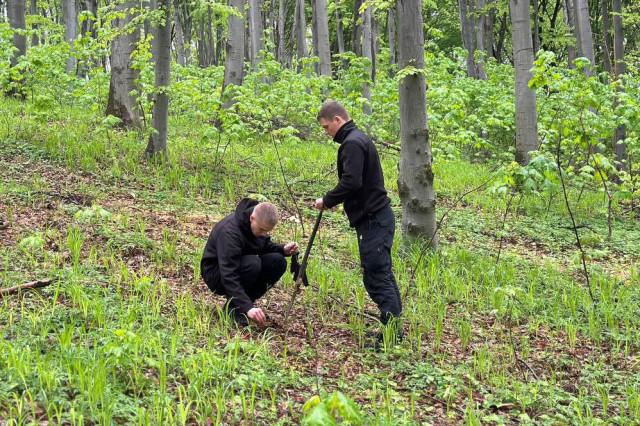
(569, 22)
(158, 139)
(356, 47)
(480, 39)
(415, 178)
(391, 28)
(340, 34)
(33, 10)
(88, 26)
(210, 45)
(282, 53)
(366, 53)
(620, 149)
(202, 45)
(15, 10)
(123, 78)
(314, 33)
(489, 26)
(324, 52)
(536, 28)
(606, 36)
(255, 32)
(301, 32)
(526, 114)
(467, 26)
(233, 68)
(585, 37)
(70, 16)
(503, 32)
(177, 18)
(375, 45)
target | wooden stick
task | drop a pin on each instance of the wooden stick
(26, 286)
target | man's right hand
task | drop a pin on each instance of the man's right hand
(319, 204)
(256, 314)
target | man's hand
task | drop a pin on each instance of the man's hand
(319, 204)
(256, 314)
(290, 248)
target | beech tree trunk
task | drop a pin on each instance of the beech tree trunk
(415, 178)
(70, 16)
(356, 47)
(620, 149)
(301, 31)
(606, 36)
(467, 25)
(340, 33)
(391, 28)
(158, 139)
(570, 22)
(526, 114)
(177, 21)
(489, 27)
(15, 10)
(536, 28)
(324, 51)
(255, 32)
(480, 39)
(584, 34)
(33, 10)
(123, 77)
(367, 53)
(233, 68)
(282, 53)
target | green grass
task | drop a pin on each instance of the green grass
(128, 333)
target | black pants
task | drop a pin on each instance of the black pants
(257, 275)
(375, 238)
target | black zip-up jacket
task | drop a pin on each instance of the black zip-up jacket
(361, 184)
(231, 239)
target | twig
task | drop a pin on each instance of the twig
(573, 221)
(26, 286)
(439, 223)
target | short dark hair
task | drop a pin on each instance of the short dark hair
(331, 109)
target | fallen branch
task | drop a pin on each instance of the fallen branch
(26, 286)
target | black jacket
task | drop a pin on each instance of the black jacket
(361, 184)
(231, 239)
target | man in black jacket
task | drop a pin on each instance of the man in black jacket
(361, 189)
(240, 261)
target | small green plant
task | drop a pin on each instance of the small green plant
(327, 411)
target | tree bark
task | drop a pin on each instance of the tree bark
(33, 10)
(158, 139)
(15, 10)
(70, 16)
(606, 36)
(620, 149)
(123, 77)
(569, 22)
(177, 19)
(489, 27)
(255, 32)
(415, 178)
(340, 34)
(282, 52)
(314, 33)
(391, 28)
(526, 114)
(367, 53)
(211, 54)
(480, 39)
(585, 36)
(324, 52)
(301, 32)
(467, 25)
(356, 47)
(233, 69)
(503, 32)
(536, 28)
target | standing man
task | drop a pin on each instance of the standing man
(240, 261)
(361, 189)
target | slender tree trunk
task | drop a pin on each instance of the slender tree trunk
(375, 46)
(503, 32)
(70, 16)
(526, 114)
(480, 39)
(177, 18)
(324, 51)
(272, 23)
(202, 45)
(366, 53)
(158, 139)
(391, 28)
(233, 69)
(357, 29)
(536, 28)
(606, 36)
(219, 42)
(15, 10)
(33, 10)
(489, 26)
(301, 32)
(314, 33)
(340, 34)
(569, 22)
(467, 25)
(210, 44)
(415, 177)
(121, 102)
(255, 32)
(585, 36)
(620, 149)
(282, 53)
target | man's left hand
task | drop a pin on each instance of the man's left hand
(290, 248)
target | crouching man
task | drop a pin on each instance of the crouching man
(240, 261)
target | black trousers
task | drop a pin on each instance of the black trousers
(257, 275)
(375, 238)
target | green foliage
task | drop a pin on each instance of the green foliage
(325, 412)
